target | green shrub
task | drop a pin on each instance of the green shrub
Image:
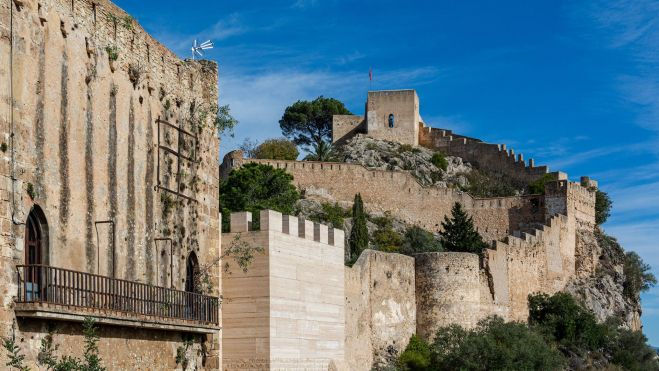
(537, 187)
(493, 345)
(113, 52)
(276, 149)
(418, 240)
(563, 320)
(481, 184)
(331, 214)
(603, 206)
(631, 351)
(416, 356)
(385, 238)
(458, 232)
(405, 148)
(439, 160)
(256, 187)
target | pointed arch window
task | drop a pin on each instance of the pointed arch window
(36, 251)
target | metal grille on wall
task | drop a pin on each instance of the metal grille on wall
(184, 151)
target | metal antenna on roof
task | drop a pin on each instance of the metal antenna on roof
(198, 49)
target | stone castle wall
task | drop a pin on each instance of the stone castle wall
(401, 194)
(287, 310)
(494, 158)
(346, 126)
(380, 308)
(80, 138)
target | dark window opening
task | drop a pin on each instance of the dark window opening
(36, 250)
(191, 268)
(391, 120)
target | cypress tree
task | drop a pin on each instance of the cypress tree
(459, 234)
(358, 241)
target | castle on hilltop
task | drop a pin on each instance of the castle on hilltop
(110, 209)
(535, 239)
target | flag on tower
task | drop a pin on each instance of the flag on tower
(370, 74)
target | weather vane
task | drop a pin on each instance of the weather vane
(199, 49)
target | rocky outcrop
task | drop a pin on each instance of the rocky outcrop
(599, 285)
(385, 155)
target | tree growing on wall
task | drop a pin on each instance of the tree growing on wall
(309, 123)
(458, 232)
(276, 149)
(358, 241)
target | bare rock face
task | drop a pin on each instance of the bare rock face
(385, 155)
(599, 285)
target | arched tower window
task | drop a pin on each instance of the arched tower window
(191, 268)
(391, 120)
(36, 238)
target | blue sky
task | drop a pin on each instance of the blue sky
(573, 84)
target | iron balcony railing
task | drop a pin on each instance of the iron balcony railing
(45, 284)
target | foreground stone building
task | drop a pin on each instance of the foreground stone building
(109, 187)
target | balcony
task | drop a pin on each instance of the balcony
(62, 294)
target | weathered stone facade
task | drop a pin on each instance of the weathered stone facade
(93, 112)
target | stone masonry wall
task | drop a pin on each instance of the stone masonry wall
(287, 310)
(404, 105)
(400, 193)
(380, 308)
(80, 138)
(346, 126)
(494, 158)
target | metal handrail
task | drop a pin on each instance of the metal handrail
(46, 284)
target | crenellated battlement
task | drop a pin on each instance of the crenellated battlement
(273, 221)
(294, 288)
(496, 158)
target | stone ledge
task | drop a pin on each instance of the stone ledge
(111, 318)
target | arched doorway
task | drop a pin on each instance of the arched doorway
(36, 252)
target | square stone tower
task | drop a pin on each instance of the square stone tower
(390, 115)
(393, 115)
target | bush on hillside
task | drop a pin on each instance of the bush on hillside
(493, 345)
(276, 149)
(537, 187)
(255, 187)
(439, 160)
(385, 238)
(638, 276)
(416, 356)
(562, 319)
(332, 214)
(418, 240)
(481, 184)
